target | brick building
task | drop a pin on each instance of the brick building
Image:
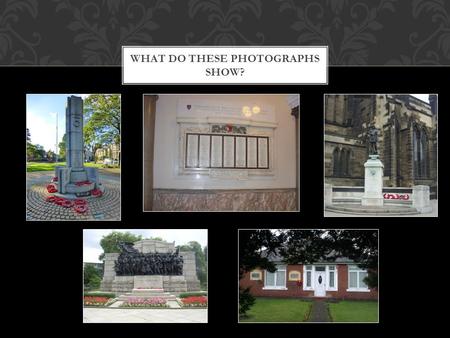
(407, 139)
(341, 279)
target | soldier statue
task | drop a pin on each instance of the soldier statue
(372, 138)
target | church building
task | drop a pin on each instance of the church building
(407, 139)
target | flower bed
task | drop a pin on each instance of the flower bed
(201, 301)
(145, 302)
(97, 301)
(193, 294)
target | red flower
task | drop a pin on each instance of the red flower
(202, 300)
(51, 199)
(80, 201)
(80, 208)
(92, 300)
(51, 188)
(96, 193)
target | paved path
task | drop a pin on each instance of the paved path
(106, 207)
(114, 315)
(319, 312)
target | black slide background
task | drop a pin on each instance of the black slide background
(48, 255)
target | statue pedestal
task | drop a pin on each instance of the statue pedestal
(373, 182)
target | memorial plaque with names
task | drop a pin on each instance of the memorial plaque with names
(228, 151)
(263, 160)
(204, 151)
(191, 151)
(216, 151)
(251, 152)
(241, 152)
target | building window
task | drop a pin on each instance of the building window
(356, 278)
(341, 162)
(256, 275)
(276, 280)
(307, 271)
(420, 153)
(332, 278)
(295, 276)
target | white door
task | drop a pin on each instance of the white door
(319, 284)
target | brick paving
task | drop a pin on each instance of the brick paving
(104, 208)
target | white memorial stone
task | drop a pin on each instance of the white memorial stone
(251, 152)
(216, 151)
(373, 182)
(228, 152)
(328, 194)
(421, 198)
(240, 152)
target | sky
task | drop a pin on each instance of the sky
(423, 97)
(41, 118)
(92, 237)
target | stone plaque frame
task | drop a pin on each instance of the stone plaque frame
(217, 167)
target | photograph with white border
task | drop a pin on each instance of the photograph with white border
(381, 155)
(308, 275)
(221, 152)
(145, 276)
(73, 157)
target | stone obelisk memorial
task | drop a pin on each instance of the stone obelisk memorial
(75, 180)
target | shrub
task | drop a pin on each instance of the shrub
(192, 294)
(246, 301)
(100, 294)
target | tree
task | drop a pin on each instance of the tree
(200, 261)
(110, 241)
(252, 245)
(36, 152)
(157, 239)
(50, 156)
(91, 277)
(102, 121)
(309, 246)
(360, 246)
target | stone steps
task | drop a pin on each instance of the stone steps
(147, 293)
(384, 210)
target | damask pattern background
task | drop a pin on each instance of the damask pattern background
(91, 32)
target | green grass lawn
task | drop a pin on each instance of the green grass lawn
(354, 311)
(278, 310)
(47, 166)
